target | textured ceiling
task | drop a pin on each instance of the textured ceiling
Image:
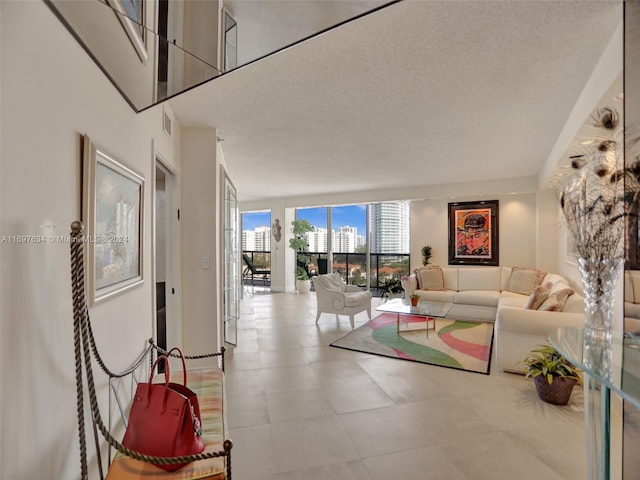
(418, 93)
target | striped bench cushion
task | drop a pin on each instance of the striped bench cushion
(208, 385)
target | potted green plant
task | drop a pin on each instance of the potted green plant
(426, 254)
(552, 374)
(390, 288)
(415, 299)
(299, 244)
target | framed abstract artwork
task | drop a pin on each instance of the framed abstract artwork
(112, 212)
(473, 233)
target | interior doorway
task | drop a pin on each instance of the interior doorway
(166, 257)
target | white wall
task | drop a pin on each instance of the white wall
(199, 245)
(520, 212)
(517, 229)
(51, 93)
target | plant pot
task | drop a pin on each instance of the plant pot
(303, 286)
(414, 302)
(557, 393)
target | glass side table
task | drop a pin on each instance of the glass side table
(610, 362)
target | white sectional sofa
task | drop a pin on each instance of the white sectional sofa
(632, 301)
(487, 294)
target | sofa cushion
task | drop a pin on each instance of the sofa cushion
(505, 276)
(450, 275)
(523, 280)
(628, 287)
(510, 299)
(574, 304)
(430, 278)
(635, 281)
(556, 300)
(479, 278)
(554, 278)
(445, 296)
(631, 310)
(486, 298)
(538, 296)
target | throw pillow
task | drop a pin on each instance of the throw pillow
(524, 280)
(538, 296)
(430, 278)
(416, 272)
(556, 300)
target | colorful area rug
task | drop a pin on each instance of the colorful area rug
(454, 343)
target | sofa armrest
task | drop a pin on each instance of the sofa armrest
(409, 286)
(535, 322)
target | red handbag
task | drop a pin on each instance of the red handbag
(187, 392)
(163, 420)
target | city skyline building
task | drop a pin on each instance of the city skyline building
(258, 239)
(345, 239)
(389, 232)
(317, 239)
(389, 227)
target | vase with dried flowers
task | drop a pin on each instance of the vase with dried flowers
(594, 209)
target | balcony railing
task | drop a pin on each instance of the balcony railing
(385, 268)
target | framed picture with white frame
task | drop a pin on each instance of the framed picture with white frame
(112, 211)
(131, 16)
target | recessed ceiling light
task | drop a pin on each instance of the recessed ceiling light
(589, 142)
(619, 97)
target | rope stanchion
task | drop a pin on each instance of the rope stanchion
(84, 346)
(77, 286)
(162, 351)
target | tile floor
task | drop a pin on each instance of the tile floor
(299, 409)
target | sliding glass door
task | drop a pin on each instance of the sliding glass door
(367, 244)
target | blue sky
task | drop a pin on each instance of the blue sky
(352, 215)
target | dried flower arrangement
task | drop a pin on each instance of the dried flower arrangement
(593, 203)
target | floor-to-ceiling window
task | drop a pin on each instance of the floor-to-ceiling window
(256, 248)
(389, 234)
(318, 239)
(349, 234)
(367, 244)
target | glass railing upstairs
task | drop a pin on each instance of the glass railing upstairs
(145, 67)
(152, 50)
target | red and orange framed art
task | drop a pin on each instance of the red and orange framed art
(473, 233)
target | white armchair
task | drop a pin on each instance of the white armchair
(334, 296)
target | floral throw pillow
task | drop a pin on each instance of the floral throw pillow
(556, 300)
(538, 296)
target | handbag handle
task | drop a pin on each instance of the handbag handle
(184, 364)
(167, 373)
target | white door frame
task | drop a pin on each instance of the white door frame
(172, 242)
